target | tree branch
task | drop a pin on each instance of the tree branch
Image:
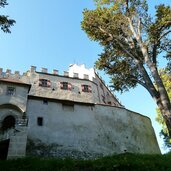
(139, 28)
(154, 54)
(163, 35)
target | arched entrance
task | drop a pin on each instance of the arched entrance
(9, 115)
(8, 122)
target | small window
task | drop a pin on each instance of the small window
(86, 88)
(40, 121)
(45, 101)
(10, 91)
(109, 102)
(66, 86)
(44, 83)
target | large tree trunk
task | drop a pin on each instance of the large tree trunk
(159, 94)
(167, 118)
(163, 100)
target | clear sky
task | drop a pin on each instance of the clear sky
(48, 34)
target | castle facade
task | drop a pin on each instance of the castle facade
(70, 115)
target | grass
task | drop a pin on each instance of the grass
(122, 162)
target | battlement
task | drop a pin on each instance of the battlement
(75, 71)
(8, 74)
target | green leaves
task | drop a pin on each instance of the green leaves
(159, 31)
(5, 22)
(109, 24)
(110, 27)
(3, 3)
(122, 70)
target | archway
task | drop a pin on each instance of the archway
(8, 122)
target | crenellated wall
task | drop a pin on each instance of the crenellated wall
(76, 76)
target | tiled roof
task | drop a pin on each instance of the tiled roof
(10, 80)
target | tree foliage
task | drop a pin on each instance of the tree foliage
(132, 42)
(5, 22)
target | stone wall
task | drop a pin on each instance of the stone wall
(93, 130)
(17, 145)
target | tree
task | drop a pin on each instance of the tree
(5, 22)
(166, 77)
(133, 43)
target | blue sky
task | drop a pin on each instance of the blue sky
(48, 34)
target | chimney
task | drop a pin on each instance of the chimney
(55, 72)
(44, 70)
(66, 73)
(75, 75)
(17, 74)
(8, 72)
(86, 76)
(33, 69)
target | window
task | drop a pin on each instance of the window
(109, 102)
(66, 86)
(45, 101)
(40, 121)
(86, 88)
(44, 83)
(10, 91)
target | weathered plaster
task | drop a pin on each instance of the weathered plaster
(95, 129)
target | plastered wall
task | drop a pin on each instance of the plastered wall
(94, 129)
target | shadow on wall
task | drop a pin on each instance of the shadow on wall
(4, 149)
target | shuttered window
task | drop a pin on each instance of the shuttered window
(44, 83)
(65, 86)
(86, 88)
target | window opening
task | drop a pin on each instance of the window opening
(44, 83)
(86, 88)
(45, 101)
(40, 121)
(66, 86)
(10, 91)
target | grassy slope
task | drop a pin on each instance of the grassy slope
(123, 162)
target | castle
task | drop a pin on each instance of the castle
(70, 115)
